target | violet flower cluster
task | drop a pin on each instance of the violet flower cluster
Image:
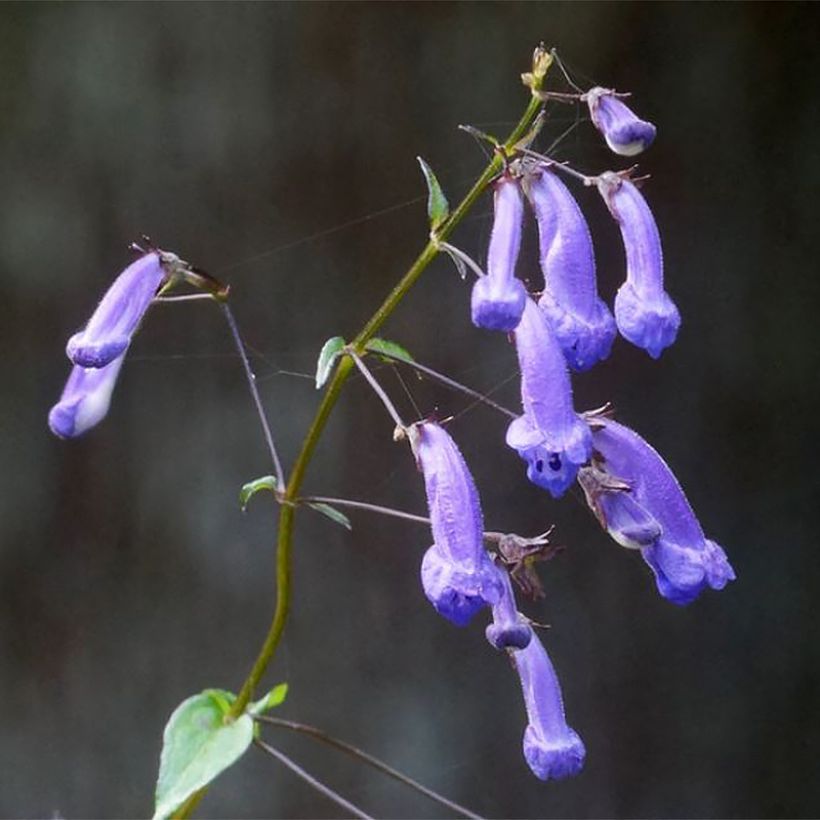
(626, 483)
(459, 579)
(629, 487)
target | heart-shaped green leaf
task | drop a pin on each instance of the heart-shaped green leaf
(197, 745)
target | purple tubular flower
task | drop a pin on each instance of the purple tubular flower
(85, 399)
(109, 331)
(624, 133)
(457, 574)
(549, 436)
(654, 515)
(498, 298)
(509, 630)
(551, 748)
(645, 314)
(581, 322)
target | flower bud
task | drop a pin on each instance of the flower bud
(457, 574)
(498, 298)
(644, 313)
(509, 629)
(85, 399)
(624, 133)
(581, 322)
(551, 748)
(549, 436)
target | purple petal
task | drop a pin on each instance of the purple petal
(498, 298)
(457, 574)
(509, 629)
(457, 591)
(627, 521)
(551, 748)
(549, 436)
(109, 331)
(683, 560)
(645, 314)
(624, 133)
(85, 399)
(581, 322)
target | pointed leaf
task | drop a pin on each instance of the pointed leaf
(437, 207)
(197, 745)
(389, 349)
(266, 482)
(274, 698)
(331, 350)
(332, 513)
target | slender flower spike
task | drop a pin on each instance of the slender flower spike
(549, 436)
(581, 322)
(457, 574)
(85, 399)
(650, 511)
(509, 629)
(551, 748)
(498, 298)
(624, 133)
(109, 331)
(645, 314)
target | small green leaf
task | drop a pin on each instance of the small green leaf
(437, 208)
(389, 349)
(332, 513)
(331, 350)
(197, 745)
(274, 698)
(266, 482)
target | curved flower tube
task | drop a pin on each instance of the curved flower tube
(550, 436)
(109, 331)
(85, 399)
(509, 629)
(651, 512)
(551, 748)
(581, 322)
(645, 314)
(624, 133)
(457, 574)
(498, 298)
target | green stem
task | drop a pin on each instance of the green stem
(284, 545)
(331, 396)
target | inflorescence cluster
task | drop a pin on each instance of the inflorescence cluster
(626, 483)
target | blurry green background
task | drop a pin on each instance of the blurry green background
(245, 138)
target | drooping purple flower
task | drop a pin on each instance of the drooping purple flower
(109, 331)
(650, 511)
(551, 748)
(581, 322)
(498, 298)
(624, 133)
(550, 436)
(645, 314)
(509, 629)
(457, 574)
(85, 399)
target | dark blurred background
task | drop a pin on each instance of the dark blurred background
(274, 145)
